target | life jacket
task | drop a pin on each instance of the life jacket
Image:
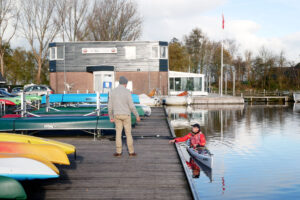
(198, 139)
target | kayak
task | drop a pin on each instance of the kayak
(50, 152)
(80, 110)
(82, 98)
(11, 189)
(11, 137)
(205, 157)
(7, 102)
(29, 98)
(26, 167)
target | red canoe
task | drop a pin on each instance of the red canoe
(7, 102)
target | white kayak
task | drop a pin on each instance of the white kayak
(26, 168)
(205, 157)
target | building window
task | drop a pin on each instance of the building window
(177, 84)
(154, 52)
(52, 53)
(163, 52)
(198, 84)
(130, 53)
(57, 53)
(172, 84)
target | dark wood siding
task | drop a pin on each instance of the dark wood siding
(75, 61)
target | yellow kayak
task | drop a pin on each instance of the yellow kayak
(47, 151)
(33, 157)
(11, 137)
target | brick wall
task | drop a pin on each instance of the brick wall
(143, 82)
(81, 81)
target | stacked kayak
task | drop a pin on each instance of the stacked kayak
(10, 137)
(11, 189)
(59, 122)
(49, 152)
(81, 110)
(7, 102)
(26, 167)
(81, 98)
(17, 100)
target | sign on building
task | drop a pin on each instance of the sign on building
(99, 50)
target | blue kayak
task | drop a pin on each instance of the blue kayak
(82, 98)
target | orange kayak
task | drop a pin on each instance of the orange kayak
(51, 153)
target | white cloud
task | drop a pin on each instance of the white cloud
(165, 19)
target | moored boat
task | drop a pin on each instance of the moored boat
(11, 189)
(50, 152)
(26, 167)
(177, 100)
(11, 137)
(204, 156)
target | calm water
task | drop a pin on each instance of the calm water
(256, 150)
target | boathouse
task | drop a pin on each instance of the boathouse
(91, 66)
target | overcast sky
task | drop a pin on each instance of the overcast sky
(274, 24)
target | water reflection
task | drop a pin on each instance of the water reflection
(196, 167)
(256, 150)
(297, 107)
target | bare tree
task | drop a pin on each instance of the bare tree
(39, 29)
(248, 63)
(114, 20)
(9, 16)
(71, 17)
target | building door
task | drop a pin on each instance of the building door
(103, 81)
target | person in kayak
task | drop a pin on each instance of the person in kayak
(196, 137)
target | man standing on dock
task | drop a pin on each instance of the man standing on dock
(120, 106)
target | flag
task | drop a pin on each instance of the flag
(223, 21)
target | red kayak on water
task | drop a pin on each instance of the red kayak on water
(7, 102)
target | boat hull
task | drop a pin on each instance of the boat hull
(26, 167)
(81, 98)
(11, 189)
(11, 137)
(177, 100)
(56, 123)
(204, 158)
(50, 152)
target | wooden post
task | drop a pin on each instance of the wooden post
(233, 84)
(226, 83)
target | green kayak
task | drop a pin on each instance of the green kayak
(11, 189)
(78, 111)
(17, 100)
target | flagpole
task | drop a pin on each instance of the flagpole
(221, 85)
(221, 90)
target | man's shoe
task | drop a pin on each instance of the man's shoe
(132, 154)
(117, 154)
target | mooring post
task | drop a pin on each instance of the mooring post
(23, 105)
(98, 103)
(47, 102)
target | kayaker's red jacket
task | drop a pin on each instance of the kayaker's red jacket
(197, 139)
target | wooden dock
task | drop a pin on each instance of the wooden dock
(156, 173)
(266, 98)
